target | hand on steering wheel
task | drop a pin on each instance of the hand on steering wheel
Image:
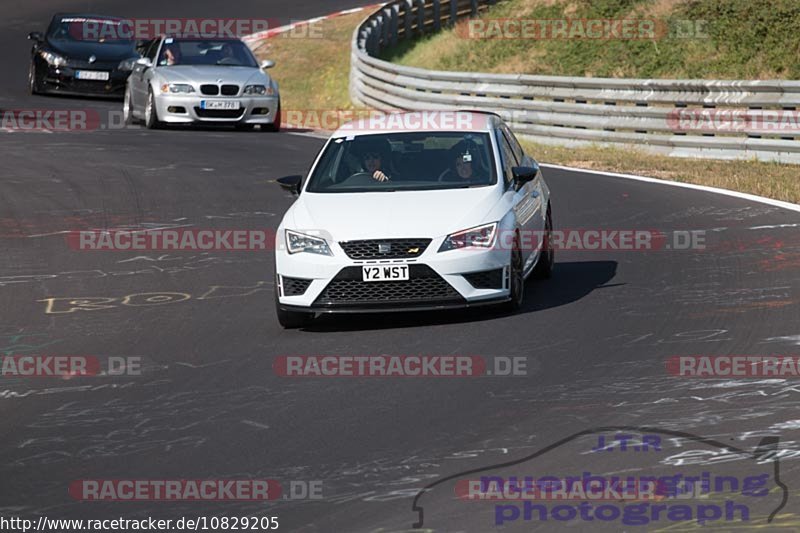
(379, 176)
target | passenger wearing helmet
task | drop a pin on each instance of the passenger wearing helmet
(465, 164)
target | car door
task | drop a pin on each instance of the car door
(539, 188)
(526, 201)
(139, 77)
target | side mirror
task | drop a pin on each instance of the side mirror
(36, 36)
(145, 62)
(267, 63)
(523, 175)
(291, 183)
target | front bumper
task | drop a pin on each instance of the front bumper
(62, 80)
(186, 109)
(332, 284)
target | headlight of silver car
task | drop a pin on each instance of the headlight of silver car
(52, 59)
(177, 88)
(259, 90)
(300, 242)
(477, 237)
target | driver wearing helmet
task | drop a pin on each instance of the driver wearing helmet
(375, 158)
(465, 163)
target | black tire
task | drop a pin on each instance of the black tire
(516, 279)
(151, 121)
(275, 127)
(547, 261)
(291, 319)
(127, 107)
(33, 83)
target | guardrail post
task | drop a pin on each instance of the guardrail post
(437, 15)
(393, 24)
(385, 27)
(474, 7)
(453, 12)
(408, 19)
(420, 17)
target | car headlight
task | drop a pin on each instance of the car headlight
(54, 60)
(259, 89)
(300, 242)
(477, 237)
(177, 88)
(127, 64)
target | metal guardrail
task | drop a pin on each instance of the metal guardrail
(720, 119)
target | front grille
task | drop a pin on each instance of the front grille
(209, 90)
(398, 248)
(219, 113)
(488, 279)
(230, 90)
(424, 287)
(295, 286)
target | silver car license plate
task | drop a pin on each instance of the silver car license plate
(220, 104)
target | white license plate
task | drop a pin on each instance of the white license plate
(91, 75)
(385, 273)
(219, 104)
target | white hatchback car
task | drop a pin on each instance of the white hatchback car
(413, 212)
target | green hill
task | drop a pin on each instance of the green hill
(711, 39)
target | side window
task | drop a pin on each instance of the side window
(153, 50)
(142, 47)
(507, 154)
(519, 153)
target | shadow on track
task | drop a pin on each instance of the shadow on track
(571, 281)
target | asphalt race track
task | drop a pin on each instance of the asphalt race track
(208, 403)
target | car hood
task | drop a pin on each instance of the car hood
(376, 215)
(82, 50)
(212, 74)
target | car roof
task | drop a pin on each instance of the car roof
(418, 121)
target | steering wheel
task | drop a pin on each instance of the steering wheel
(360, 178)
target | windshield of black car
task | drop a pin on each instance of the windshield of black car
(406, 161)
(229, 53)
(106, 31)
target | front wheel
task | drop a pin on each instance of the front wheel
(127, 109)
(33, 83)
(547, 259)
(151, 121)
(516, 279)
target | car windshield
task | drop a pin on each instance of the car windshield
(90, 30)
(206, 52)
(404, 161)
